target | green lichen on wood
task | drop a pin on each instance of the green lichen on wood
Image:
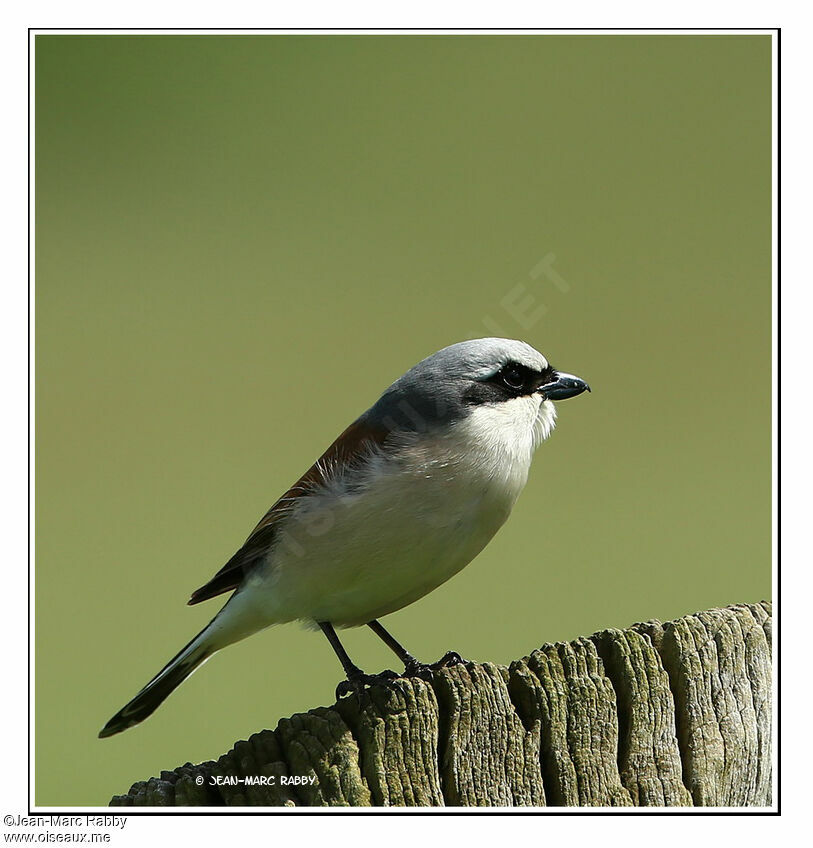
(397, 733)
(719, 666)
(673, 714)
(488, 758)
(573, 701)
(648, 754)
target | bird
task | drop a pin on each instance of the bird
(399, 503)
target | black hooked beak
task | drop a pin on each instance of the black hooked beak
(563, 387)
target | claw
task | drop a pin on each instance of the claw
(356, 683)
(419, 669)
(449, 659)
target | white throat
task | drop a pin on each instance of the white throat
(513, 429)
(493, 445)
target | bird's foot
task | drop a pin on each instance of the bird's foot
(449, 659)
(418, 669)
(357, 681)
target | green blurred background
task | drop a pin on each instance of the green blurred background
(241, 240)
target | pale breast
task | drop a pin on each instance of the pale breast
(356, 552)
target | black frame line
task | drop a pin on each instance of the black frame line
(775, 342)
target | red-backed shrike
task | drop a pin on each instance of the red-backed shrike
(406, 496)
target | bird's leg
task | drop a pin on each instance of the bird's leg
(412, 667)
(356, 678)
(350, 668)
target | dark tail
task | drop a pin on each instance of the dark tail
(161, 686)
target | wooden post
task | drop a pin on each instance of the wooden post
(674, 714)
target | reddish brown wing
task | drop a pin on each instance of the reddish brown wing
(353, 443)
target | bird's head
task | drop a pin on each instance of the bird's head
(504, 386)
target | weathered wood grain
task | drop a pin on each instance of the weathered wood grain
(674, 714)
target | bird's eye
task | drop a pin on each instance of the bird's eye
(513, 377)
